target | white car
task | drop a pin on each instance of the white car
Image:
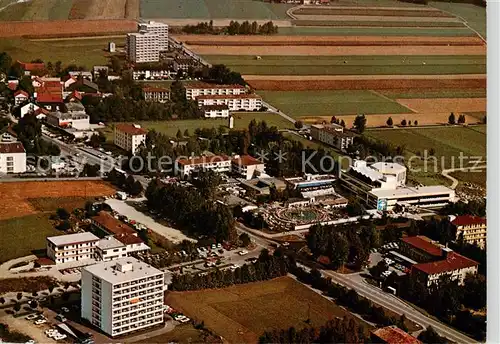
(31, 317)
(40, 321)
(65, 309)
(219, 245)
(184, 319)
(242, 252)
(60, 337)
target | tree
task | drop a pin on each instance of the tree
(19, 296)
(403, 122)
(389, 122)
(461, 119)
(432, 151)
(136, 189)
(116, 64)
(26, 84)
(95, 141)
(186, 133)
(342, 123)
(2, 300)
(430, 336)
(62, 213)
(179, 134)
(360, 123)
(33, 304)
(451, 119)
(245, 239)
(415, 122)
(17, 307)
(298, 125)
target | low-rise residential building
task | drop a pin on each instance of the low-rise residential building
(216, 163)
(122, 296)
(129, 136)
(107, 224)
(12, 157)
(216, 111)
(110, 247)
(184, 63)
(205, 89)
(247, 166)
(333, 135)
(31, 68)
(83, 86)
(71, 247)
(20, 97)
(75, 120)
(238, 102)
(156, 94)
(28, 108)
(470, 229)
(392, 335)
(419, 248)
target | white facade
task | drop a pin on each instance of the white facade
(159, 29)
(110, 248)
(205, 89)
(247, 166)
(12, 157)
(143, 47)
(28, 108)
(71, 247)
(20, 97)
(78, 120)
(122, 296)
(332, 135)
(242, 102)
(156, 94)
(129, 137)
(392, 169)
(216, 163)
(145, 74)
(217, 111)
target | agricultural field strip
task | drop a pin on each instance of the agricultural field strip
(371, 11)
(360, 31)
(376, 18)
(377, 24)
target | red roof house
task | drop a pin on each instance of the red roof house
(392, 335)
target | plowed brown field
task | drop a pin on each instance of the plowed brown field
(65, 28)
(15, 196)
(445, 104)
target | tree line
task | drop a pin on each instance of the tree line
(234, 28)
(266, 267)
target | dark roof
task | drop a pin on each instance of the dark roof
(394, 335)
(12, 147)
(44, 261)
(128, 239)
(113, 225)
(468, 220)
(453, 261)
(82, 83)
(155, 89)
(215, 107)
(130, 128)
(47, 97)
(424, 244)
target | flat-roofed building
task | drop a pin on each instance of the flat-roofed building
(71, 247)
(122, 296)
(76, 120)
(470, 229)
(12, 157)
(205, 89)
(111, 247)
(129, 136)
(216, 163)
(216, 111)
(160, 29)
(333, 135)
(143, 47)
(247, 166)
(239, 102)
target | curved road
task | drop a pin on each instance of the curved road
(446, 173)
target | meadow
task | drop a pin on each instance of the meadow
(352, 65)
(434, 93)
(242, 313)
(474, 15)
(374, 31)
(329, 103)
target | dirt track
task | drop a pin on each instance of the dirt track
(65, 27)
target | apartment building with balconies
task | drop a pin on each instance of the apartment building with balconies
(216, 163)
(205, 89)
(143, 47)
(71, 247)
(122, 296)
(470, 229)
(160, 29)
(237, 102)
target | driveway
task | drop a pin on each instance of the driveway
(172, 234)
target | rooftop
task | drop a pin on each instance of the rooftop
(71, 239)
(361, 167)
(411, 191)
(129, 239)
(424, 244)
(453, 261)
(203, 160)
(21, 92)
(388, 167)
(130, 129)
(230, 96)
(204, 85)
(246, 160)
(122, 270)
(394, 335)
(31, 66)
(45, 97)
(468, 220)
(11, 147)
(113, 225)
(68, 115)
(155, 89)
(109, 242)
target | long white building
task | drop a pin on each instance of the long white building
(205, 89)
(12, 157)
(71, 247)
(122, 296)
(216, 163)
(241, 102)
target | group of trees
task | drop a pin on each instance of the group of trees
(347, 244)
(29, 132)
(360, 123)
(234, 28)
(129, 184)
(364, 146)
(266, 267)
(404, 123)
(338, 121)
(453, 120)
(191, 210)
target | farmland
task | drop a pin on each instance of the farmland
(209, 9)
(475, 16)
(448, 143)
(373, 31)
(242, 313)
(352, 65)
(328, 103)
(86, 52)
(434, 93)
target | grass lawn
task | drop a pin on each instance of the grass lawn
(328, 103)
(22, 235)
(241, 120)
(183, 334)
(448, 143)
(434, 93)
(476, 177)
(212, 9)
(87, 52)
(352, 65)
(398, 24)
(374, 31)
(51, 204)
(474, 15)
(242, 313)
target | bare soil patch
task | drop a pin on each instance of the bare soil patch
(445, 104)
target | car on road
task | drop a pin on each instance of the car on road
(242, 252)
(40, 321)
(60, 336)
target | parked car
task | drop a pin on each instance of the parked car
(242, 252)
(31, 317)
(65, 309)
(61, 318)
(40, 321)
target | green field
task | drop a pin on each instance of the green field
(474, 15)
(374, 31)
(85, 52)
(213, 9)
(241, 120)
(398, 24)
(448, 142)
(352, 65)
(36, 10)
(432, 93)
(328, 103)
(22, 235)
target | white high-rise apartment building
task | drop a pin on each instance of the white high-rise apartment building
(143, 47)
(122, 296)
(159, 29)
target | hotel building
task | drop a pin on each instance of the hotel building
(205, 89)
(71, 247)
(129, 136)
